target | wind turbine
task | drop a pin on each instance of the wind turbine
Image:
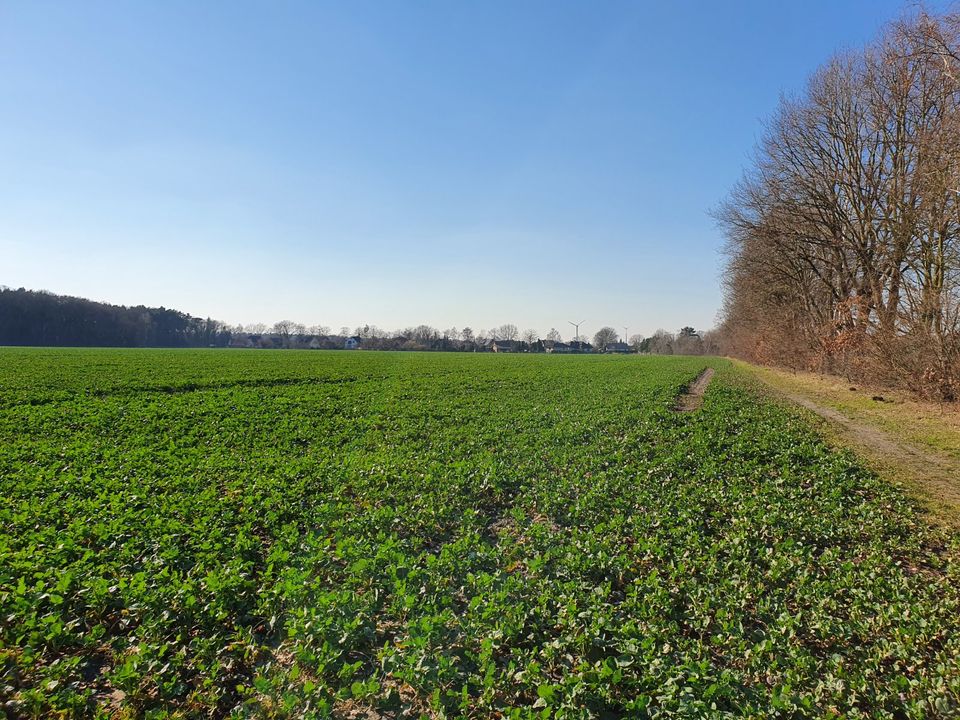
(577, 326)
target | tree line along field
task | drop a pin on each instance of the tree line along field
(296, 534)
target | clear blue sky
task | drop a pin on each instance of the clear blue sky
(390, 162)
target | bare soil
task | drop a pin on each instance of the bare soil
(692, 399)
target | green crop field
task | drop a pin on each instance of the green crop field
(290, 534)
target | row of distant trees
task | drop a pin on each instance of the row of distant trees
(30, 317)
(290, 334)
(844, 237)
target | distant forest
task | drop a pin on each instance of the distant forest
(29, 317)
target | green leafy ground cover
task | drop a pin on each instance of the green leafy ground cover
(287, 534)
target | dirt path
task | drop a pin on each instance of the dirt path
(693, 397)
(933, 476)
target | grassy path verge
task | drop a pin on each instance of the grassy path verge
(913, 443)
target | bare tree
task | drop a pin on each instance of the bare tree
(843, 241)
(530, 336)
(298, 334)
(554, 335)
(425, 335)
(636, 341)
(661, 343)
(688, 342)
(284, 330)
(604, 336)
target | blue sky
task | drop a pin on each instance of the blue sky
(389, 162)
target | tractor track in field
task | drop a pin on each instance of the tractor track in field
(692, 398)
